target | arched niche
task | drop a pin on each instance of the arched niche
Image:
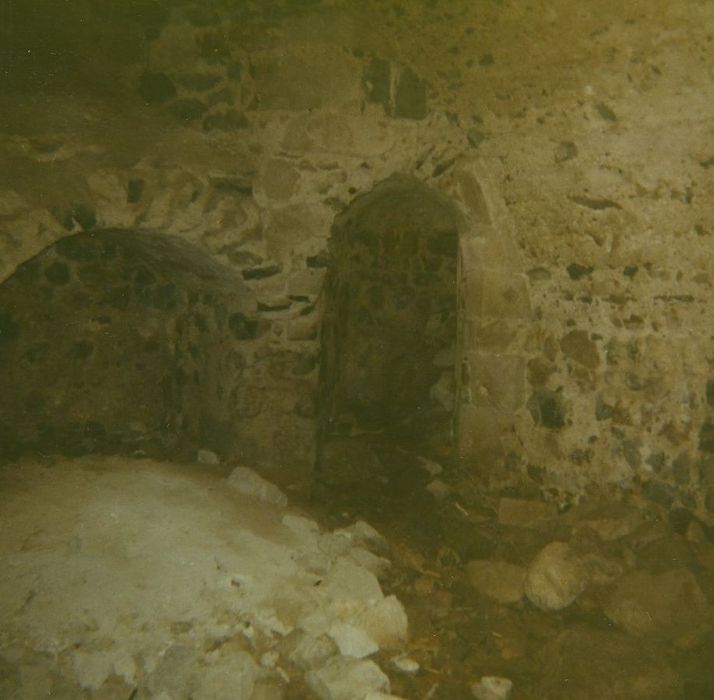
(389, 328)
(124, 341)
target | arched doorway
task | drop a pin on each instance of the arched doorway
(122, 342)
(390, 318)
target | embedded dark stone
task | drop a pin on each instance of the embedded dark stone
(679, 520)
(605, 112)
(577, 271)
(84, 216)
(603, 411)
(475, 137)
(274, 306)
(57, 273)
(410, 97)
(536, 473)
(242, 327)
(538, 274)
(629, 271)
(240, 185)
(680, 469)
(189, 110)
(442, 167)
(134, 190)
(82, 349)
(259, 273)
(156, 87)
(596, 203)
(377, 81)
(710, 392)
(706, 437)
(318, 261)
(631, 453)
(659, 493)
(9, 328)
(566, 150)
(545, 409)
(656, 461)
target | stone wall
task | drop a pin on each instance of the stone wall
(121, 341)
(575, 142)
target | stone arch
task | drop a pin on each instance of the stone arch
(495, 320)
(491, 312)
(125, 340)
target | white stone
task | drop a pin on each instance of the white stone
(386, 623)
(555, 578)
(343, 679)
(352, 641)
(405, 664)
(492, 688)
(246, 482)
(312, 651)
(362, 533)
(379, 566)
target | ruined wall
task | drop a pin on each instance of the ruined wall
(575, 141)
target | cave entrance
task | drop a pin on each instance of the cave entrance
(390, 320)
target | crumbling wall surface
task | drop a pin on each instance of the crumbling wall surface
(248, 130)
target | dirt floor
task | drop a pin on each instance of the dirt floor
(623, 613)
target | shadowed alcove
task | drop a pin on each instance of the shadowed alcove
(124, 341)
(390, 319)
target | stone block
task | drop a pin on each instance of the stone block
(494, 293)
(497, 380)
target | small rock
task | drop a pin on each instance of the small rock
(555, 578)
(566, 150)
(246, 482)
(207, 457)
(670, 605)
(405, 664)
(438, 489)
(347, 679)
(352, 641)
(499, 580)
(492, 688)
